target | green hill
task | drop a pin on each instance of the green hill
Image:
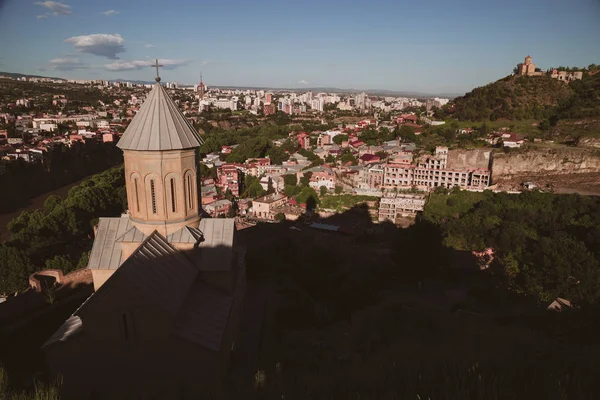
(513, 97)
(585, 101)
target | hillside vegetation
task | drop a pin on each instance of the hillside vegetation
(513, 97)
(585, 101)
(530, 97)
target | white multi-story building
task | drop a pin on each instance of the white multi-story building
(433, 172)
(400, 205)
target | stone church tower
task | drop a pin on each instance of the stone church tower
(159, 148)
(169, 286)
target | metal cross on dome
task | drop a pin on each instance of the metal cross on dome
(156, 64)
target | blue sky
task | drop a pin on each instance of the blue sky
(435, 46)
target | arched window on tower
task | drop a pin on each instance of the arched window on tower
(153, 195)
(173, 194)
(136, 193)
(190, 198)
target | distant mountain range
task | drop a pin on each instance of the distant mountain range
(377, 92)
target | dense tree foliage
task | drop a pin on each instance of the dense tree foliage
(545, 245)
(585, 101)
(62, 165)
(60, 234)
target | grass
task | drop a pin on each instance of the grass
(40, 390)
(401, 352)
(344, 201)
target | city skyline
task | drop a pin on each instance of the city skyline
(435, 48)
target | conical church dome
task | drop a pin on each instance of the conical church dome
(159, 125)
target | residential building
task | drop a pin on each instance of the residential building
(218, 208)
(566, 76)
(228, 178)
(400, 205)
(264, 207)
(432, 172)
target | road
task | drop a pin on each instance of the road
(35, 203)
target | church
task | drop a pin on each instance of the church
(169, 284)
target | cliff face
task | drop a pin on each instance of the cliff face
(544, 161)
(469, 159)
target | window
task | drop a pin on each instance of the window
(137, 197)
(153, 194)
(127, 328)
(173, 194)
(190, 198)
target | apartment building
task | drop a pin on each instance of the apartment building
(433, 172)
(400, 205)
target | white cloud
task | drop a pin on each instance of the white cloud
(100, 44)
(67, 64)
(303, 82)
(149, 46)
(42, 16)
(109, 12)
(122, 65)
(56, 7)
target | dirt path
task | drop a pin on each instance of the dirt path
(35, 203)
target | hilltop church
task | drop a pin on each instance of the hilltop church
(169, 285)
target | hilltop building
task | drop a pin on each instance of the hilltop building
(169, 285)
(527, 68)
(566, 76)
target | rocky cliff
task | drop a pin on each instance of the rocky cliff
(468, 159)
(576, 169)
(554, 160)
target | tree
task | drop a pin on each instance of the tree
(290, 179)
(15, 268)
(277, 155)
(253, 187)
(280, 217)
(407, 133)
(348, 157)
(339, 189)
(83, 260)
(323, 190)
(382, 155)
(63, 263)
(305, 180)
(338, 139)
(270, 188)
(308, 195)
(231, 213)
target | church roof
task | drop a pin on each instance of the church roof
(159, 125)
(185, 235)
(161, 272)
(216, 251)
(203, 316)
(164, 276)
(106, 253)
(132, 235)
(69, 328)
